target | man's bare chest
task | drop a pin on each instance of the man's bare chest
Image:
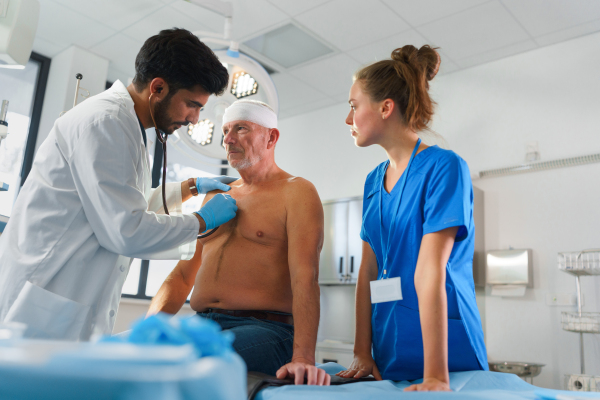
(260, 218)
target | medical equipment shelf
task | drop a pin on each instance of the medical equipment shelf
(580, 263)
(586, 322)
(586, 262)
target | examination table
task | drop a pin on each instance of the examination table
(465, 385)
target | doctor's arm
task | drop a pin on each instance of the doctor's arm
(363, 363)
(430, 284)
(304, 225)
(176, 288)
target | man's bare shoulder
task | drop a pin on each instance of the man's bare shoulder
(298, 186)
(298, 189)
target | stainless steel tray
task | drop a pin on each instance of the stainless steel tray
(521, 369)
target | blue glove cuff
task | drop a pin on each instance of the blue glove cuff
(208, 217)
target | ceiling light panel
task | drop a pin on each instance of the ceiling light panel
(288, 46)
(243, 84)
(201, 132)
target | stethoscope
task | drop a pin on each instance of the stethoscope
(162, 138)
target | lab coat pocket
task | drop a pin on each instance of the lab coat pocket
(48, 315)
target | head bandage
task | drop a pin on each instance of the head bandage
(253, 111)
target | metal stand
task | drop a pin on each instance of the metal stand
(586, 262)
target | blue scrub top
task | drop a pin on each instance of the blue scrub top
(438, 195)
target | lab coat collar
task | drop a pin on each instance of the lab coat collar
(120, 90)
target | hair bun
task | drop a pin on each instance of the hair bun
(431, 60)
(425, 59)
(405, 54)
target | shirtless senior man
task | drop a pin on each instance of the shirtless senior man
(257, 275)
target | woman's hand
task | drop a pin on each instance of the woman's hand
(429, 385)
(361, 366)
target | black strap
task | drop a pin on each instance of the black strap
(143, 132)
(257, 381)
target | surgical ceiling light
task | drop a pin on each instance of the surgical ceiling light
(247, 78)
(201, 132)
(243, 84)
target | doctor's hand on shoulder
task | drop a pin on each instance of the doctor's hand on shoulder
(362, 365)
(205, 185)
(218, 210)
(299, 368)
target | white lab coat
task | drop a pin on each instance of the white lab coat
(85, 210)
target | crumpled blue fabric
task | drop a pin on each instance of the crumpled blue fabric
(205, 335)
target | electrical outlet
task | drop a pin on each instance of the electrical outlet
(3, 8)
(562, 299)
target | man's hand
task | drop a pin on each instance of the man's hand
(429, 385)
(297, 370)
(361, 366)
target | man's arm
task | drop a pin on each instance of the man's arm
(304, 225)
(175, 289)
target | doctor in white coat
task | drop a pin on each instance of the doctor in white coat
(87, 206)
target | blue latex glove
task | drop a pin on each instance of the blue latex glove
(218, 210)
(205, 185)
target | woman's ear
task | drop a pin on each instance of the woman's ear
(387, 108)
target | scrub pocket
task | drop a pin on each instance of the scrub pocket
(48, 315)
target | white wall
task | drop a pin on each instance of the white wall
(488, 114)
(60, 90)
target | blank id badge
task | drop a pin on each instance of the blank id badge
(384, 290)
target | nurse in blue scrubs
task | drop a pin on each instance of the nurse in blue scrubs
(416, 315)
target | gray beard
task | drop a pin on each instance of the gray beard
(245, 163)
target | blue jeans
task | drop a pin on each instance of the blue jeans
(264, 345)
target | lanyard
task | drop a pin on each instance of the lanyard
(395, 208)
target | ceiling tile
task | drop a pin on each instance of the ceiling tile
(294, 93)
(447, 66)
(423, 11)
(165, 18)
(63, 26)
(252, 16)
(349, 24)
(497, 54)
(332, 76)
(121, 50)
(47, 48)
(117, 14)
(295, 7)
(382, 49)
(319, 104)
(569, 33)
(477, 30)
(211, 20)
(541, 17)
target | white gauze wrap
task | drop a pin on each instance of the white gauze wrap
(253, 111)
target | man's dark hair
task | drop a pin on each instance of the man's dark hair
(182, 60)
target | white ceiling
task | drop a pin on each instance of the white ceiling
(468, 32)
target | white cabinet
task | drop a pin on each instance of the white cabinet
(342, 245)
(337, 352)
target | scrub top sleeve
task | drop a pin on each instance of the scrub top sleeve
(368, 193)
(448, 199)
